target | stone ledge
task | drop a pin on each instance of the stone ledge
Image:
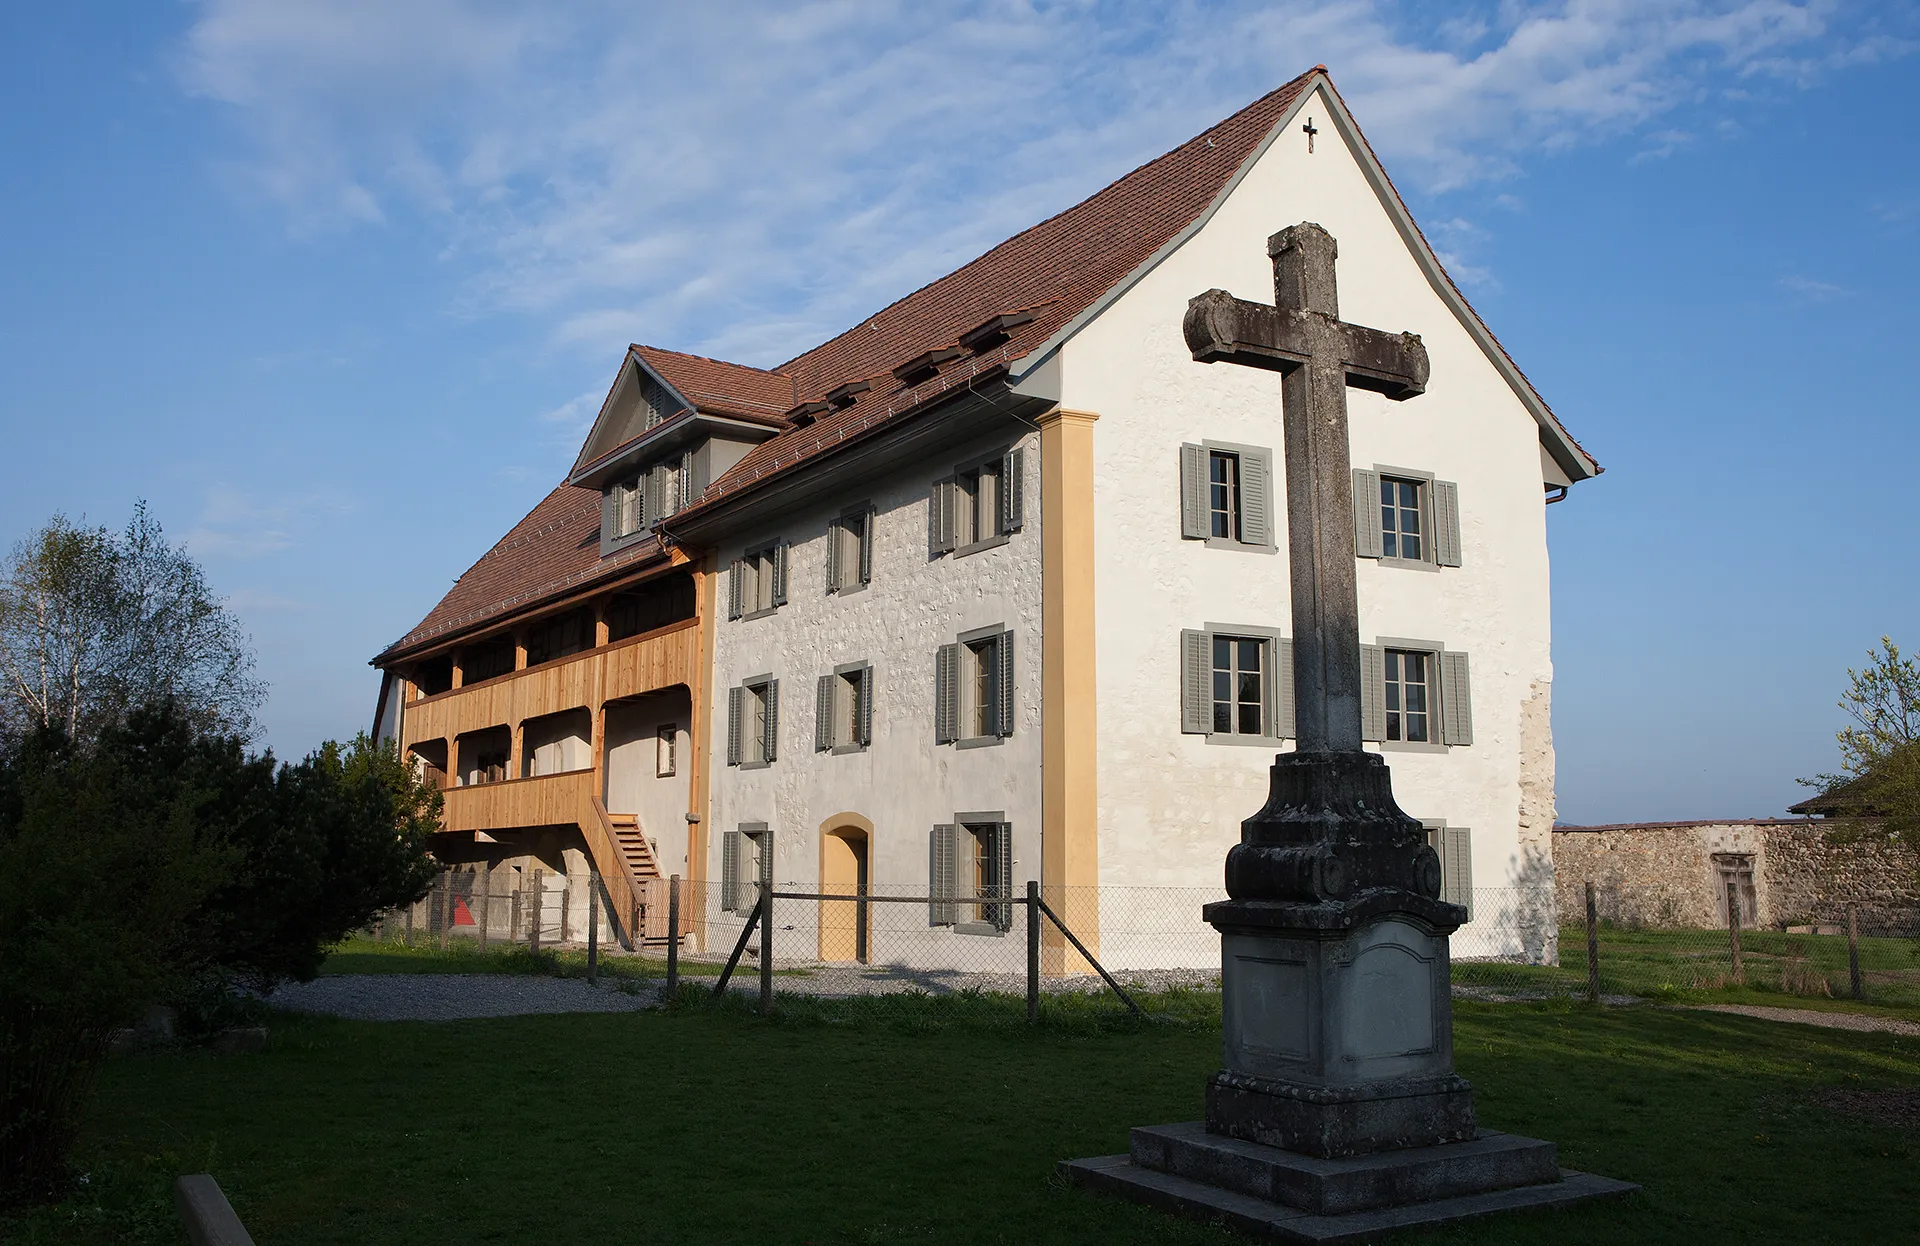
(1490, 1161)
(1116, 1174)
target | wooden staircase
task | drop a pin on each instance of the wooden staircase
(633, 845)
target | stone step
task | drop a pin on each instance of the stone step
(1490, 1161)
(1116, 1174)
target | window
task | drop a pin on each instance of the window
(973, 688)
(759, 581)
(1239, 685)
(850, 551)
(979, 505)
(1415, 694)
(1226, 495)
(970, 862)
(1454, 844)
(746, 866)
(1400, 528)
(1406, 518)
(1406, 688)
(654, 604)
(487, 767)
(665, 756)
(559, 636)
(628, 506)
(1236, 684)
(843, 709)
(753, 722)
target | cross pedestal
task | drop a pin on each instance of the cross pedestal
(1336, 1114)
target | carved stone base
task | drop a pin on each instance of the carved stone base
(1330, 1122)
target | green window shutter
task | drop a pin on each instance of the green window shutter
(682, 481)
(780, 574)
(946, 693)
(1456, 699)
(940, 539)
(1373, 692)
(940, 876)
(865, 716)
(836, 537)
(1001, 915)
(773, 717)
(1194, 515)
(736, 699)
(1283, 719)
(730, 872)
(653, 494)
(700, 475)
(1013, 491)
(733, 588)
(866, 548)
(823, 714)
(1366, 513)
(1256, 498)
(1003, 685)
(1446, 523)
(1196, 682)
(1456, 867)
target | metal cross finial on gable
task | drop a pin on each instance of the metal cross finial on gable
(1318, 355)
(1309, 131)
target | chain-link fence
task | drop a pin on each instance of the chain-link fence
(876, 940)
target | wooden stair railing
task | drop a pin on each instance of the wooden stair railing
(625, 888)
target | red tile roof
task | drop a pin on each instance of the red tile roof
(722, 388)
(555, 549)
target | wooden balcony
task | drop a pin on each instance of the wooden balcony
(545, 800)
(587, 680)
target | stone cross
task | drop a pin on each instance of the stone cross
(1318, 355)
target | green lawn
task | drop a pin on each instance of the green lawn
(935, 1120)
(1681, 964)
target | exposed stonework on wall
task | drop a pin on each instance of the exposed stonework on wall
(1667, 874)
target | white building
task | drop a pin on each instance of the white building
(1002, 594)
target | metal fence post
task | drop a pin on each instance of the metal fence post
(673, 934)
(1593, 946)
(766, 949)
(1853, 950)
(1033, 951)
(533, 921)
(1733, 934)
(593, 925)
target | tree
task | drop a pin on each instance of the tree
(161, 862)
(94, 623)
(1879, 792)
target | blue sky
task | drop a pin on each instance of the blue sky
(337, 286)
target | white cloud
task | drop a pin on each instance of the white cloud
(236, 523)
(746, 179)
(1811, 290)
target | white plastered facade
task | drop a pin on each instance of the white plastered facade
(1171, 804)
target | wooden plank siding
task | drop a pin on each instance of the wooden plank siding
(586, 680)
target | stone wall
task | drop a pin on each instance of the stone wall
(1655, 874)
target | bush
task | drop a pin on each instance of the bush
(167, 865)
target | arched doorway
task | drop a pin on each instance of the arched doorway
(846, 927)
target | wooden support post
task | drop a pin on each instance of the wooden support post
(673, 934)
(1593, 946)
(1733, 934)
(513, 917)
(483, 880)
(766, 947)
(566, 902)
(407, 935)
(593, 926)
(446, 907)
(1853, 951)
(539, 899)
(1033, 951)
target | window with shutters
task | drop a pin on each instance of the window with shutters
(753, 722)
(1236, 684)
(850, 550)
(970, 866)
(1415, 695)
(1226, 495)
(973, 688)
(666, 751)
(979, 506)
(1406, 518)
(746, 866)
(758, 582)
(1454, 846)
(843, 709)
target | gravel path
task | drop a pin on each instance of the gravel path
(1808, 1016)
(846, 981)
(453, 996)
